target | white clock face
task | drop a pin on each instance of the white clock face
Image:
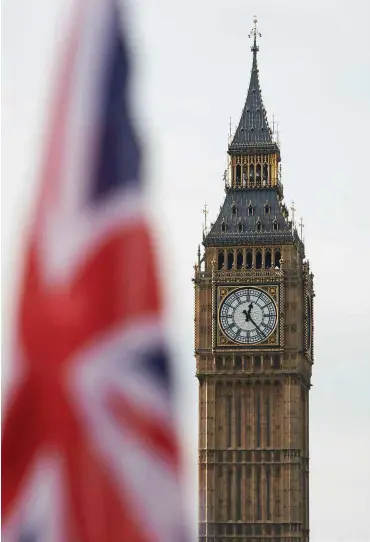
(248, 316)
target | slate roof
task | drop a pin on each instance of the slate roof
(241, 200)
(253, 132)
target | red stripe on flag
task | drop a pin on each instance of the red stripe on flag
(117, 285)
(99, 510)
(55, 324)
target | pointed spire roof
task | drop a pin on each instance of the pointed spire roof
(253, 129)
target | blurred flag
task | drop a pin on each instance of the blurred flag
(89, 450)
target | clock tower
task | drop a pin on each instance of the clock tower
(253, 348)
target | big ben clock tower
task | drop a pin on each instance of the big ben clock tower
(253, 348)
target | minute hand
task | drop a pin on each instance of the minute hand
(254, 323)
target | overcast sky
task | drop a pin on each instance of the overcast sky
(192, 72)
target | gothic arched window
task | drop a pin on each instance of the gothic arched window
(251, 174)
(258, 259)
(277, 257)
(245, 176)
(220, 259)
(230, 259)
(239, 259)
(268, 259)
(238, 172)
(258, 174)
(249, 259)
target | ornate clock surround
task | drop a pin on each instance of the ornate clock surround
(223, 283)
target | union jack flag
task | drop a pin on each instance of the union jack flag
(89, 450)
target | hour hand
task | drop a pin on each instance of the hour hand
(246, 315)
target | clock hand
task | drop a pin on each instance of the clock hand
(257, 327)
(246, 315)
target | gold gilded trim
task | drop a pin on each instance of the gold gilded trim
(272, 339)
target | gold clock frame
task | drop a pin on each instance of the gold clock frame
(275, 341)
(271, 291)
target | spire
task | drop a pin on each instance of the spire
(253, 130)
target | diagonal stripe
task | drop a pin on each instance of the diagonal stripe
(57, 321)
(151, 432)
(117, 475)
(21, 432)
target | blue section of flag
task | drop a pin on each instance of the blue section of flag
(29, 536)
(118, 162)
(157, 363)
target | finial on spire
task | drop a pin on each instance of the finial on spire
(293, 211)
(254, 33)
(205, 211)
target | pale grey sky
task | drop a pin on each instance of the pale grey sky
(192, 72)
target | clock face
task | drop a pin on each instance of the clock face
(248, 316)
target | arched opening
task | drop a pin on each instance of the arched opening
(277, 258)
(230, 259)
(267, 209)
(257, 362)
(268, 259)
(223, 227)
(266, 363)
(233, 209)
(251, 174)
(258, 174)
(276, 361)
(249, 259)
(250, 210)
(258, 226)
(240, 227)
(238, 362)
(220, 259)
(258, 259)
(275, 225)
(239, 259)
(265, 173)
(245, 176)
(238, 174)
(219, 363)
